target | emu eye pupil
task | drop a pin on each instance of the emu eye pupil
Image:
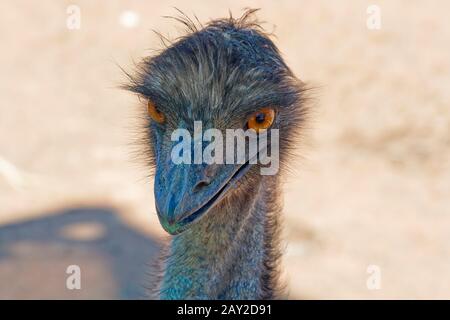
(260, 118)
(154, 113)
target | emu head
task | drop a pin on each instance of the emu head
(225, 75)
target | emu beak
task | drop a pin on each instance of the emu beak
(186, 192)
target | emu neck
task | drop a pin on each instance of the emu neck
(223, 255)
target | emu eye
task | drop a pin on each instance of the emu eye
(154, 113)
(261, 119)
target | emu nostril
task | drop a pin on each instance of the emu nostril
(201, 184)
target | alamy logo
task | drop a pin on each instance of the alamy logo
(373, 21)
(259, 144)
(73, 21)
(73, 281)
(374, 280)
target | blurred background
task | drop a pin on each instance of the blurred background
(372, 191)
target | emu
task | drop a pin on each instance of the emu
(224, 219)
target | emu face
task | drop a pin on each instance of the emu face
(222, 76)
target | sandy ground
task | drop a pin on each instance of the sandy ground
(373, 187)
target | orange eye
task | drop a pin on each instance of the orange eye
(154, 113)
(261, 119)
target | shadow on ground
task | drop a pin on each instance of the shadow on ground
(114, 259)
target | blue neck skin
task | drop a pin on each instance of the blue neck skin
(219, 257)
